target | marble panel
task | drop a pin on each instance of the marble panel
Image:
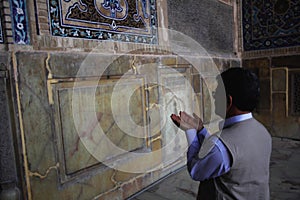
(36, 113)
(97, 119)
(209, 85)
(176, 94)
(279, 80)
(47, 127)
(120, 20)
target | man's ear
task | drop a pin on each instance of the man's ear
(229, 101)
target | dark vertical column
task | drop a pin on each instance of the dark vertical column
(8, 172)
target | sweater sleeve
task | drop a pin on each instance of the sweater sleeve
(214, 164)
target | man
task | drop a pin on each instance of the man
(234, 163)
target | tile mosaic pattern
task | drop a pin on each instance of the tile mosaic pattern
(19, 21)
(270, 24)
(117, 20)
(1, 31)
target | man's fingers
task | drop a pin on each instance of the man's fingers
(179, 123)
(196, 117)
(184, 126)
(185, 121)
(176, 119)
(199, 121)
(185, 117)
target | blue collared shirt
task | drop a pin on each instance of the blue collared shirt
(217, 162)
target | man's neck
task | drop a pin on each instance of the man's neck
(234, 111)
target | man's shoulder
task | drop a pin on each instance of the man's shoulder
(252, 122)
(250, 125)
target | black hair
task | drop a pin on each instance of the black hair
(243, 86)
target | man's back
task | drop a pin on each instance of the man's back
(250, 146)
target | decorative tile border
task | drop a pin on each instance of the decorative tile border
(270, 24)
(19, 21)
(116, 20)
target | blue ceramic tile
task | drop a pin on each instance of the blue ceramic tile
(270, 24)
(116, 20)
(19, 21)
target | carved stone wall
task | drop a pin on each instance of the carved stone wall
(84, 151)
(92, 86)
(8, 163)
(1, 30)
(276, 105)
(269, 38)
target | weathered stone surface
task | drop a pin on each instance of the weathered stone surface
(286, 61)
(198, 105)
(79, 65)
(12, 193)
(260, 63)
(283, 125)
(221, 64)
(196, 83)
(166, 92)
(167, 60)
(209, 85)
(279, 80)
(265, 93)
(279, 106)
(7, 162)
(217, 39)
(36, 111)
(235, 63)
(120, 65)
(60, 166)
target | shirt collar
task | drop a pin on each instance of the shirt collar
(237, 118)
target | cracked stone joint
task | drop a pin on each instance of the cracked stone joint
(37, 174)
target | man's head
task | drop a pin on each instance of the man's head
(241, 89)
(243, 86)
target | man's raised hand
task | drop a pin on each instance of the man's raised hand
(185, 121)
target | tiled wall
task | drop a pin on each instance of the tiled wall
(270, 24)
(270, 47)
(122, 20)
